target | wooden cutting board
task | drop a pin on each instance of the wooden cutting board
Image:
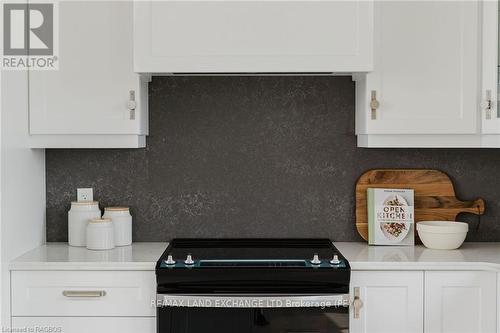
(434, 195)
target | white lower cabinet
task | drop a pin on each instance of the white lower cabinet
(418, 301)
(85, 324)
(383, 301)
(460, 302)
(391, 301)
(84, 301)
(85, 293)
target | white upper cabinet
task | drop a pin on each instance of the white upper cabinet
(386, 302)
(489, 93)
(253, 36)
(426, 70)
(95, 99)
(460, 302)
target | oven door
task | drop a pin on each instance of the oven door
(253, 313)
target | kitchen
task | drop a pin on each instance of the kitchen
(231, 129)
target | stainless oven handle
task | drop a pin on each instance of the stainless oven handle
(252, 301)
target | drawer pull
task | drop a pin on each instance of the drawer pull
(84, 293)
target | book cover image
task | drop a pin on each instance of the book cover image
(390, 216)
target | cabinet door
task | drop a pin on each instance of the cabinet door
(460, 302)
(86, 324)
(253, 36)
(489, 93)
(390, 302)
(89, 94)
(426, 74)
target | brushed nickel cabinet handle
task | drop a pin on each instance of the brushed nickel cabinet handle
(131, 104)
(356, 303)
(374, 104)
(84, 293)
(487, 104)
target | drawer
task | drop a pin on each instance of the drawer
(85, 324)
(83, 293)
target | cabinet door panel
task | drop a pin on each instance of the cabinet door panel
(391, 302)
(90, 91)
(460, 302)
(86, 324)
(253, 36)
(489, 93)
(426, 75)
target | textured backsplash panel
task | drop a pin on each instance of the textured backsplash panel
(252, 157)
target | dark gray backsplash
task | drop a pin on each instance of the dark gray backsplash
(252, 157)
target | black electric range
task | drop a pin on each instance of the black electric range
(252, 285)
(252, 265)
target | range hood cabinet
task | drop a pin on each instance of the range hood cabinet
(253, 37)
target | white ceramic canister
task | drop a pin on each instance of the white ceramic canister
(78, 217)
(100, 234)
(122, 224)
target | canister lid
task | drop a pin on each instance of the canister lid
(100, 220)
(116, 209)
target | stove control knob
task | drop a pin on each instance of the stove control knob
(170, 260)
(335, 260)
(315, 260)
(189, 260)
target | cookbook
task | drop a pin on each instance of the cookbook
(390, 216)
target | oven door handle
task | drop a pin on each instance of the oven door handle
(252, 301)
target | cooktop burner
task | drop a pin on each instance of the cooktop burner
(252, 265)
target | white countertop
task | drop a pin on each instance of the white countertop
(143, 256)
(471, 256)
(61, 256)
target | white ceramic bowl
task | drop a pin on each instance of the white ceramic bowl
(442, 235)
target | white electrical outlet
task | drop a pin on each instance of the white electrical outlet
(85, 194)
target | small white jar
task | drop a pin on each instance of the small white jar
(78, 217)
(100, 235)
(122, 224)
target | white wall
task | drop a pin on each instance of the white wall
(22, 182)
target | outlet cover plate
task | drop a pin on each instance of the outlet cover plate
(85, 194)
